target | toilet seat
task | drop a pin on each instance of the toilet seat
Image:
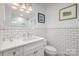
(50, 50)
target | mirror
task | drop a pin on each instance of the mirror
(17, 18)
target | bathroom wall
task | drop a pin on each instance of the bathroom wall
(1, 20)
(39, 28)
(1, 15)
(62, 34)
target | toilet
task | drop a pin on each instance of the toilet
(50, 51)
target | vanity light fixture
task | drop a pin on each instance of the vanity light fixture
(13, 7)
(23, 7)
(30, 8)
(27, 11)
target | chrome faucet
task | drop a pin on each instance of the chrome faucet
(29, 34)
(24, 36)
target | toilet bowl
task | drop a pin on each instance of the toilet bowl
(50, 51)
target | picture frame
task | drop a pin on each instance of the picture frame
(41, 18)
(68, 13)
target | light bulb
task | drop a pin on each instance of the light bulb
(13, 7)
(27, 11)
(15, 4)
(21, 9)
(23, 6)
(30, 8)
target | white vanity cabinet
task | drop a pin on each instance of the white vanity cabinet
(34, 48)
(14, 52)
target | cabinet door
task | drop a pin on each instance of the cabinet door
(14, 52)
(0, 54)
(29, 51)
(34, 51)
(39, 51)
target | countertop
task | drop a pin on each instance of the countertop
(18, 42)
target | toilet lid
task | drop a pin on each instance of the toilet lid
(50, 48)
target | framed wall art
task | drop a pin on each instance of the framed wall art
(41, 18)
(67, 13)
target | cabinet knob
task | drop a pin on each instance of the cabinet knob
(35, 52)
(14, 53)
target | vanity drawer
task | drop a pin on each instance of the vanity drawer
(14, 52)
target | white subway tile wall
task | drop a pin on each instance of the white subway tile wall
(7, 34)
(41, 32)
(71, 41)
(66, 41)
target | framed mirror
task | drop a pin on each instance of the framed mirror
(16, 18)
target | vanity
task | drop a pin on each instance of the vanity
(31, 47)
